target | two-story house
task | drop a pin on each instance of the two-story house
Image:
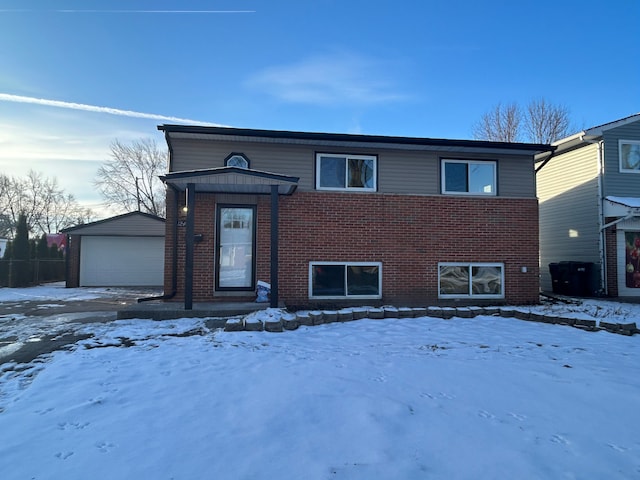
(339, 219)
(589, 193)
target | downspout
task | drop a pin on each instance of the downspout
(174, 257)
(601, 237)
(544, 162)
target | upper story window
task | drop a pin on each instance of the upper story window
(469, 177)
(237, 160)
(629, 156)
(345, 172)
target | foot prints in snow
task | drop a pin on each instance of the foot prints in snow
(487, 397)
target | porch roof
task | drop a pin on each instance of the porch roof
(231, 180)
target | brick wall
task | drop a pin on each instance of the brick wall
(73, 262)
(408, 234)
(612, 258)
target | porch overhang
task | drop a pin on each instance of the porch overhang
(231, 180)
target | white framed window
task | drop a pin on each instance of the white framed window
(470, 280)
(345, 280)
(629, 151)
(346, 172)
(237, 160)
(468, 177)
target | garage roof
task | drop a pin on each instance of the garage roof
(132, 224)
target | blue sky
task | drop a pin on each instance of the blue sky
(427, 68)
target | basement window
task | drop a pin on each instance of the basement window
(471, 280)
(345, 280)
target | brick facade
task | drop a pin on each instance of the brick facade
(409, 235)
(611, 251)
(73, 261)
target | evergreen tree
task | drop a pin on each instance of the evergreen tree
(21, 270)
(42, 249)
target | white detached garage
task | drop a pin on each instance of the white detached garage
(122, 251)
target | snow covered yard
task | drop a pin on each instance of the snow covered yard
(487, 397)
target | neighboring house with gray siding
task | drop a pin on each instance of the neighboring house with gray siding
(335, 219)
(589, 194)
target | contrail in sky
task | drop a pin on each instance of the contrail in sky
(29, 10)
(5, 97)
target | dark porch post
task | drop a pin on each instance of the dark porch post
(274, 246)
(189, 235)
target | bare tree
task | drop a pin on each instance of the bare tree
(129, 180)
(544, 122)
(46, 207)
(540, 122)
(501, 124)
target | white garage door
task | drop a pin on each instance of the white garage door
(121, 261)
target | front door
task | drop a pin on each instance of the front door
(235, 247)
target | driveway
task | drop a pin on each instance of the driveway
(31, 328)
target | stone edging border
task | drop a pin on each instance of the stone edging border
(291, 321)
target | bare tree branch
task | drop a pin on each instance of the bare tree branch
(45, 205)
(541, 122)
(502, 124)
(130, 177)
(544, 122)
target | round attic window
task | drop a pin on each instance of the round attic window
(237, 161)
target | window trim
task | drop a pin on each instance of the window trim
(443, 183)
(347, 156)
(234, 155)
(620, 143)
(345, 265)
(470, 293)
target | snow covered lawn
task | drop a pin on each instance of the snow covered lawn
(486, 398)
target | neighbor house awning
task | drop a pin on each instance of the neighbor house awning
(621, 207)
(231, 180)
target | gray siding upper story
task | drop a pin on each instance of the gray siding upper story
(406, 171)
(615, 182)
(130, 225)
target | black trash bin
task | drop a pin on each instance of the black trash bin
(579, 278)
(554, 270)
(560, 273)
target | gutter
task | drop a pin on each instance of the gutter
(174, 260)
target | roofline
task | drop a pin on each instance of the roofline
(598, 129)
(347, 137)
(104, 220)
(589, 135)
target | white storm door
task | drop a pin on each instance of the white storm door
(235, 240)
